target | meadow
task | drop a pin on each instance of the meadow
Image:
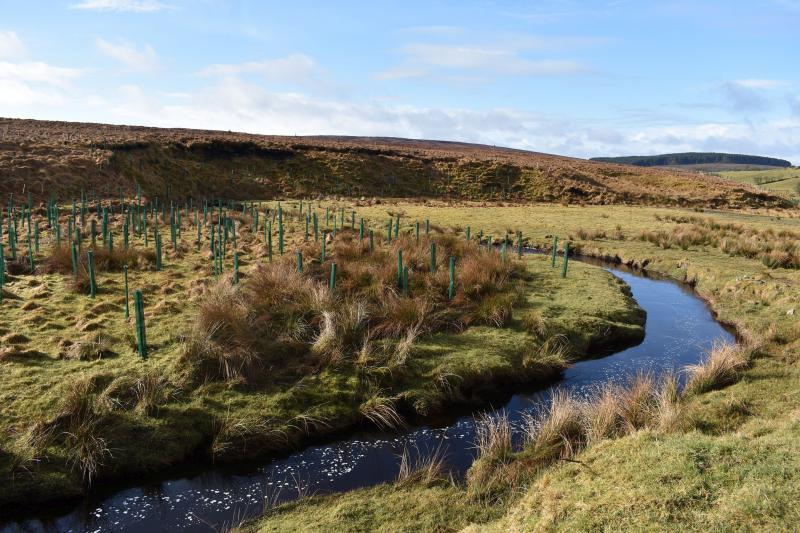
(783, 181)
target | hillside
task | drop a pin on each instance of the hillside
(60, 159)
(696, 158)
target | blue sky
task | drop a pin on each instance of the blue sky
(580, 78)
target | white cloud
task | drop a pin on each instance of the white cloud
(11, 46)
(37, 71)
(759, 84)
(33, 84)
(231, 103)
(507, 56)
(135, 6)
(294, 68)
(127, 54)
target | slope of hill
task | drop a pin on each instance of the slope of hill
(61, 159)
(695, 158)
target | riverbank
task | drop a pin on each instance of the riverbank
(734, 466)
(590, 308)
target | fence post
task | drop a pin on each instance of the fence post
(555, 252)
(566, 261)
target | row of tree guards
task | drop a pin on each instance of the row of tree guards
(137, 216)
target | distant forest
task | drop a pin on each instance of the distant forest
(694, 158)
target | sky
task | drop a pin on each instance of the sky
(577, 78)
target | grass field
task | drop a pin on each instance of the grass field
(80, 406)
(784, 181)
(732, 466)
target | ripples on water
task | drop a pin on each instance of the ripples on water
(679, 329)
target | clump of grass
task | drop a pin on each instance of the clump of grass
(559, 433)
(493, 437)
(382, 412)
(59, 259)
(152, 391)
(552, 353)
(723, 366)
(404, 346)
(220, 343)
(591, 234)
(30, 446)
(490, 473)
(638, 402)
(421, 468)
(602, 417)
(90, 348)
(81, 424)
(535, 324)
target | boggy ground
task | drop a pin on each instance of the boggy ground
(258, 367)
(722, 455)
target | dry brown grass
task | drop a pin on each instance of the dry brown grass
(723, 366)
(70, 156)
(278, 312)
(774, 249)
(421, 468)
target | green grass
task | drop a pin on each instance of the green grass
(735, 465)
(784, 181)
(229, 419)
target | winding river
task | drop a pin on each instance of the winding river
(680, 329)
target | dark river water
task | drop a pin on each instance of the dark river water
(679, 330)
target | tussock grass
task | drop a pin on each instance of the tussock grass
(775, 249)
(723, 366)
(81, 427)
(382, 412)
(417, 468)
(278, 312)
(559, 433)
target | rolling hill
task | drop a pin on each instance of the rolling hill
(60, 159)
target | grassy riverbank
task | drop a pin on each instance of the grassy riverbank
(80, 406)
(731, 461)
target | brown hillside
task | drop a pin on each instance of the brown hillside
(61, 158)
